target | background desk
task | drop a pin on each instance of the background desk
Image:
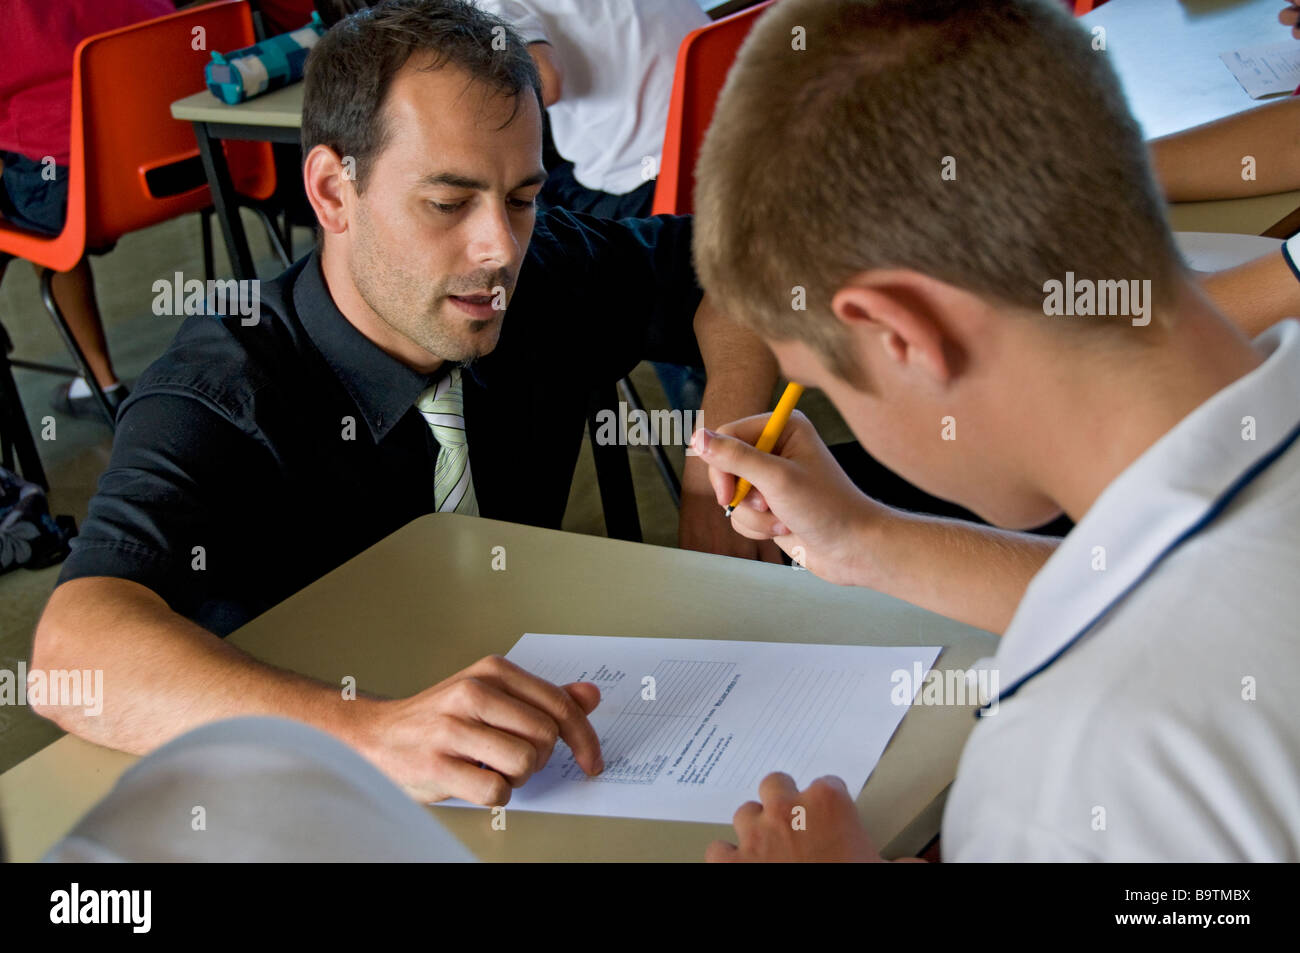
(424, 603)
(274, 117)
(1166, 53)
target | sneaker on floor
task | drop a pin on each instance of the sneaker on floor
(84, 405)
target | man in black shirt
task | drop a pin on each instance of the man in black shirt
(381, 381)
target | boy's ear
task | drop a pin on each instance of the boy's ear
(900, 312)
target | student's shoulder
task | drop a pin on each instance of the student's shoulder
(1155, 732)
(1229, 591)
(1070, 769)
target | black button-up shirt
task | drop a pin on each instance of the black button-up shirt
(249, 461)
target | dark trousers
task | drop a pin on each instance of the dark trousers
(564, 191)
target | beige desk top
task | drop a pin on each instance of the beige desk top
(1249, 216)
(381, 619)
(283, 107)
(1212, 251)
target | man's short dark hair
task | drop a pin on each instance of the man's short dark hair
(351, 69)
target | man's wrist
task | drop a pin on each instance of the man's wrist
(354, 721)
(695, 477)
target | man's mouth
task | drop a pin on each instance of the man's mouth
(477, 306)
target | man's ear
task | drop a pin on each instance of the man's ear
(905, 314)
(326, 179)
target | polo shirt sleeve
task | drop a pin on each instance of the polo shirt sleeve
(634, 285)
(526, 22)
(174, 480)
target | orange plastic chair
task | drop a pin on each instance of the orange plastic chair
(132, 165)
(703, 61)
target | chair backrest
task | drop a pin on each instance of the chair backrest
(139, 165)
(703, 61)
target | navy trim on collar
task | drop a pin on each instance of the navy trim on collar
(1208, 517)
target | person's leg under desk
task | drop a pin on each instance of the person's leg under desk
(74, 291)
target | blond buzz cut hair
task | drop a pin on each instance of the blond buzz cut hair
(829, 160)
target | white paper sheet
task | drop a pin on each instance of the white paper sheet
(721, 716)
(1266, 70)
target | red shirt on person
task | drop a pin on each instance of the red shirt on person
(282, 16)
(37, 40)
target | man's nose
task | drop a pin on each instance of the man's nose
(493, 244)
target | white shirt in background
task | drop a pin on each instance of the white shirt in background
(618, 58)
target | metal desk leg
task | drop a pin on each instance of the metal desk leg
(15, 434)
(613, 476)
(226, 202)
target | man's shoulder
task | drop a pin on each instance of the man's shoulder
(225, 360)
(559, 230)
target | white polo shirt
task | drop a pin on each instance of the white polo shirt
(1170, 729)
(618, 58)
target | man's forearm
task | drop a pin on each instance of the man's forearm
(741, 372)
(163, 675)
(967, 571)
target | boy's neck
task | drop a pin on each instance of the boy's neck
(1113, 406)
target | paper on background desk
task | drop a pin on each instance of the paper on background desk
(723, 716)
(1266, 70)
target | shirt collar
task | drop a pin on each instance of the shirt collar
(383, 388)
(1174, 485)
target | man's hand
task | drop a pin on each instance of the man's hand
(482, 732)
(819, 823)
(800, 497)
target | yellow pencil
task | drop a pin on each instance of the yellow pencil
(771, 434)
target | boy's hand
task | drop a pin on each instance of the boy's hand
(800, 497)
(819, 823)
(702, 526)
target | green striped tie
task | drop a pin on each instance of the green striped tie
(443, 406)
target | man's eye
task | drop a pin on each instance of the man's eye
(522, 203)
(448, 209)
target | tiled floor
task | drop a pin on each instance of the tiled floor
(75, 458)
